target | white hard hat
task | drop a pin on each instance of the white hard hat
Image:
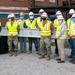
(41, 10)
(58, 13)
(60, 17)
(31, 13)
(71, 11)
(9, 16)
(21, 14)
(73, 15)
(44, 14)
(12, 15)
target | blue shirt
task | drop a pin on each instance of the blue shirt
(73, 19)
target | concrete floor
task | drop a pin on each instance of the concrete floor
(29, 64)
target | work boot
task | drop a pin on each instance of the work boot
(15, 52)
(10, 53)
(48, 58)
(42, 56)
(39, 53)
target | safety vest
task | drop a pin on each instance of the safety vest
(68, 23)
(31, 25)
(38, 20)
(45, 30)
(58, 31)
(72, 30)
(20, 23)
(12, 29)
(56, 23)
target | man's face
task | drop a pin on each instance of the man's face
(60, 21)
(31, 17)
(40, 13)
(44, 18)
(11, 19)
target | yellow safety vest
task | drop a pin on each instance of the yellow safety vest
(0, 23)
(38, 20)
(31, 25)
(72, 30)
(45, 30)
(12, 29)
(58, 31)
(56, 23)
(68, 23)
(20, 23)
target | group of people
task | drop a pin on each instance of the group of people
(59, 27)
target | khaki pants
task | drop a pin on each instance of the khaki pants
(60, 44)
(47, 42)
(14, 40)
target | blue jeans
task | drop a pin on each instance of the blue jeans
(71, 45)
(38, 40)
(31, 40)
(22, 43)
(73, 48)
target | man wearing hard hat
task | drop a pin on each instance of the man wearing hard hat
(13, 29)
(22, 40)
(39, 19)
(71, 34)
(31, 23)
(56, 24)
(45, 28)
(61, 36)
(71, 12)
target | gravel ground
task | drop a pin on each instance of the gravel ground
(29, 64)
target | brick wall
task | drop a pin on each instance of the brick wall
(48, 3)
(9, 6)
(44, 3)
(24, 4)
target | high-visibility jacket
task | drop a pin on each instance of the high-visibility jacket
(12, 29)
(0, 23)
(56, 23)
(30, 24)
(38, 20)
(72, 30)
(58, 31)
(20, 24)
(68, 23)
(46, 29)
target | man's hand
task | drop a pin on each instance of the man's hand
(70, 36)
(56, 37)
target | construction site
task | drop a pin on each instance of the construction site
(30, 64)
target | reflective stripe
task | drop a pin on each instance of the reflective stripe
(45, 31)
(12, 32)
(12, 29)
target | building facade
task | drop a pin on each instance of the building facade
(50, 6)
